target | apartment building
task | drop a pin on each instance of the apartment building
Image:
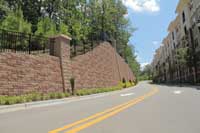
(184, 35)
(195, 38)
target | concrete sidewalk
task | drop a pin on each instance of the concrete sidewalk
(36, 104)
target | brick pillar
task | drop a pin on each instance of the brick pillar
(60, 47)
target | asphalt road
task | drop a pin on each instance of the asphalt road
(145, 108)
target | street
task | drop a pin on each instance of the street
(145, 108)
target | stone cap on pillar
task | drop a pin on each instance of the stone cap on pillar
(57, 42)
(62, 36)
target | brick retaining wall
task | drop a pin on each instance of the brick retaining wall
(20, 73)
(101, 67)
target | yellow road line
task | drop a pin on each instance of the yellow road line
(92, 117)
(99, 119)
(89, 118)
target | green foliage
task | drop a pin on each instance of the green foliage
(146, 73)
(8, 100)
(121, 85)
(15, 22)
(182, 55)
(63, 29)
(46, 27)
(3, 9)
(80, 19)
(131, 59)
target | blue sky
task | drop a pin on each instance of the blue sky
(151, 18)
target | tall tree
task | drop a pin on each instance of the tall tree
(15, 22)
(32, 12)
(130, 57)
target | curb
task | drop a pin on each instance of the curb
(24, 106)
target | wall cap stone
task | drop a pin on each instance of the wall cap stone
(62, 36)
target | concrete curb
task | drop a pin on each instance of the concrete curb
(23, 106)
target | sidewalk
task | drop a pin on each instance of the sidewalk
(23, 106)
(182, 85)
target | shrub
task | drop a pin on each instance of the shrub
(128, 84)
(19, 99)
(66, 94)
(60, 95)
(36, 97)
(46, 97)
(52, 95)
(2, 100)
(10, 100)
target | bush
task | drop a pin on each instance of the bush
(60, 95)
(8, 100)
(36, 97)
(66, 94)
(46, 97)
(52, 95)
(2, 100)
(121, 85)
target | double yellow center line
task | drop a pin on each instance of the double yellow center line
(96, 118)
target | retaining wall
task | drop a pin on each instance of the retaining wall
(101, 67)
(21, 73)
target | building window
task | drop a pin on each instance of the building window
(173, 35)
(196, 43)
(185, 30)
(183, 17)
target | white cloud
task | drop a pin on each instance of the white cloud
(143, 5)
(155, 42)
(143, 65)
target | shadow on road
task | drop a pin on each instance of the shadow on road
(197, 87)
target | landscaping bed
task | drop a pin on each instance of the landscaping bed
(9, 100)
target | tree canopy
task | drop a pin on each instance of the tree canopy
(82, 20)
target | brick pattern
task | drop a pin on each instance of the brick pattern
(21, 74)
(66, 63)
(100, 68)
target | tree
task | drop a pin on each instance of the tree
(46, 27)
(131, 60)
(146, 73)
(83, 20)
(32, 12)
(63, 29)
(3, 9)
(15, 22)
(182, 58)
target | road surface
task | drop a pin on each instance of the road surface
(145, 108)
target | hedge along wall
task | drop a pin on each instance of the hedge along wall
(101, 67)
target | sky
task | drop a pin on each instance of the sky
(151, 18)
